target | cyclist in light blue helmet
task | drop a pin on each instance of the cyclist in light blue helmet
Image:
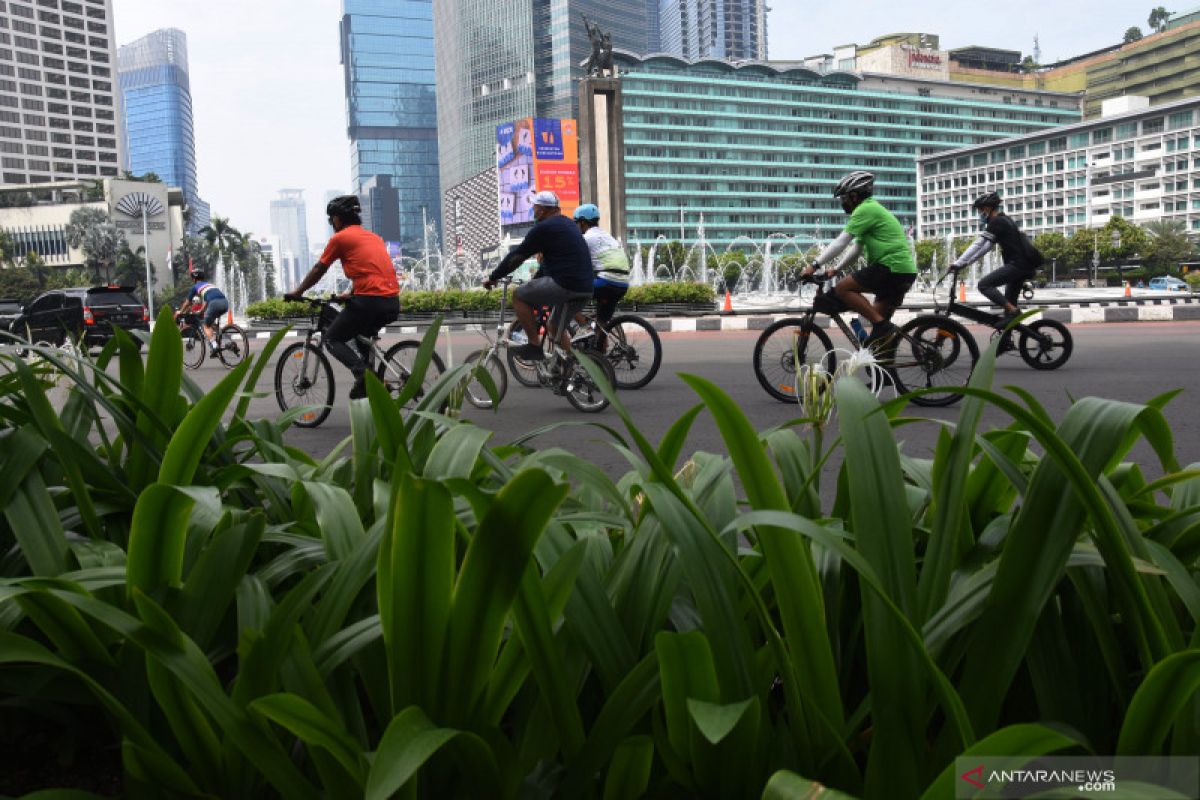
(610, 264)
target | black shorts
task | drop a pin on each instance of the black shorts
(606, 297)
(887, 286)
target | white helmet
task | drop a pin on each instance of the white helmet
(857, 181)
(546, 199)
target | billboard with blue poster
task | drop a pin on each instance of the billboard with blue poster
(532, 155)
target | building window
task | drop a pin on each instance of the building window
(1154, 125)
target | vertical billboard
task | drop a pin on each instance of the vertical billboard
(534, 155)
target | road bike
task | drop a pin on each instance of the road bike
(232, 343)
(1045, 344)
(304, 376)
(927, 352)
(629, 343)
(560, 371)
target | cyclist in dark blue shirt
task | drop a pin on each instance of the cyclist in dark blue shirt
(212, 304)
(565, 278)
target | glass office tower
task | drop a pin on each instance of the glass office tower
(735, 30)
(153, 76)
(391, 106)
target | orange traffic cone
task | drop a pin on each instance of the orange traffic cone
(230, 322)
(1128, 291)
(962, 291)
(728, 302)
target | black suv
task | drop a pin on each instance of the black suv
(87, 314)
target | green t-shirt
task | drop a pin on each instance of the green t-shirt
(881, 237)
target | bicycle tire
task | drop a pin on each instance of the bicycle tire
(920, 360)
(584, 393)
(1027, 292)
(293, 388)
(525, 372)
(474, 391)
(402, 356)
(636, 339)
(195, 347)
(233, 346)
(780, 347)
(1041, 354)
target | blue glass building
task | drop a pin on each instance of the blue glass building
(391, 105)
(152, 73)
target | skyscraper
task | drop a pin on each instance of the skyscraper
(157, 97)
(391, 109)
(734, 30)
(58, 107)
(499, 60)
(288, 223)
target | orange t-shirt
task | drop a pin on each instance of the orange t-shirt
(364, 259)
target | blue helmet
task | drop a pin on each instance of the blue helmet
(587, 211)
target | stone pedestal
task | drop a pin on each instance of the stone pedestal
(602, 151)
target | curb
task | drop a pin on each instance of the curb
(1160, 309)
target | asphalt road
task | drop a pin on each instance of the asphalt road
(1130, 361)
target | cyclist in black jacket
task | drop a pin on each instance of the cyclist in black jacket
(1020, 263)
(565, 276)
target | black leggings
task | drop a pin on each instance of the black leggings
(363, 315)
(1011, 277)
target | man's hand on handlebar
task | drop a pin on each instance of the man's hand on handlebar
(489, 284)
(293, 297)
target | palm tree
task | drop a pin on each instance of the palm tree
(93, 232)
(224, 239)
(1158, 19)
(1167, 246)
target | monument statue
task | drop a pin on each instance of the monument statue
(600, 62)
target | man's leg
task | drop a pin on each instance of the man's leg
(525, 316)
(850, 292)
(350, 322)
(988, 286)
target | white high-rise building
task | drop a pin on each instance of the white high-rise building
(59, 104)
(288, 222)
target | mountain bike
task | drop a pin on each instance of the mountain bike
(1045, 344)
(629, 342)
(927, 352)
(232, 343)
(304, 377)
(560, 371)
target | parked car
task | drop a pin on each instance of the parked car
(10, 309)
(1166, 283)
(87, 314)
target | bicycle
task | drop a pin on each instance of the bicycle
(1045, 344)
(628, 342)
(560, 371)
(232, 343)
(304, 377)
(915, 358)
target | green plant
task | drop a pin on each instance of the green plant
(430, 613)
(1193, 280)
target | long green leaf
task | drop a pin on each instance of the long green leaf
(629, 773)
(1165, 692)
(411, 740)
(191, 438)
(315, 728)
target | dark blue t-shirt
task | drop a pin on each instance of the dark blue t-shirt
(207, 292)
(565, 255)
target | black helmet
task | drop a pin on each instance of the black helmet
(989, 200)
(344, 207)
(858, 181)
(198, 275)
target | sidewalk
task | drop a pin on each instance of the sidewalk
(1067, 306)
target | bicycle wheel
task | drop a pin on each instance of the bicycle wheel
(782, 348)
(924, 358)
(584, 393)
(1027, 291)
(194, 347)
(397, 367)
(233, 346)
(633, 349)
(303, 377)
(1048, 346)
(476, 392)
(524, 371)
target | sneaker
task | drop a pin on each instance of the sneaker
(1007, 317)
(359, 389)
(529, 352)
(880, 332)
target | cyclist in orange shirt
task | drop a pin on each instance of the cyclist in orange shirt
(374, 299)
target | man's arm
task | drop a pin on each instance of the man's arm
(831, 251)
(314, 275)
(978, 249)
(515, 258)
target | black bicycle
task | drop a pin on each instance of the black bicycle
(232, 343)
(1045, 344)
(628, 342)
(304, 376)
(924, 353)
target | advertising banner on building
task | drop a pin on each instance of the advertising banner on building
(534, 155)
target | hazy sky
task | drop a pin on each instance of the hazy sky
(268, 95)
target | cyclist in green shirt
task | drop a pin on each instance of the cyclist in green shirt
(879, 237)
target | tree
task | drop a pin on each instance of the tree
(149, 177)
(1158, 19)
(130, 269)
(6, 247)
(1166, 246)
(1121, 240)
(37, 268)
(1133, 34)
(1053, 247)
(223, 239)
(93, 232)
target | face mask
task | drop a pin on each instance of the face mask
(984, 218)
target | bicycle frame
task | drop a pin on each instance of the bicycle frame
(954, 307)
(374, 355)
